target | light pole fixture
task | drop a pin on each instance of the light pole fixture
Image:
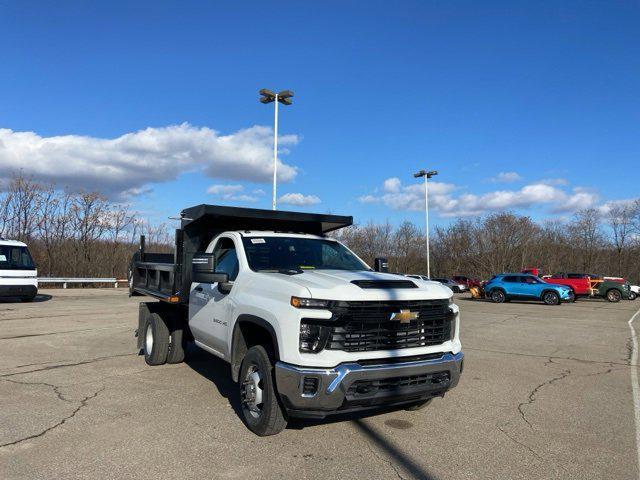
(283, 97)
(427, 175)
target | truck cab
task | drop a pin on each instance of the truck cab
(309, 329)
(18, 273)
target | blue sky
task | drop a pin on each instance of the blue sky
(528, 106)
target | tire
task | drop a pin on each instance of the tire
(614, 295)
(551, 298)
(633, 295)
(156, 340)
(256, 383)
(177, 343)
(498, 296)
(418, 406)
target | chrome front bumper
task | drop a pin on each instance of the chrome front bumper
(333, 394)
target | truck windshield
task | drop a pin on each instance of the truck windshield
(292, 253)
(15, 258)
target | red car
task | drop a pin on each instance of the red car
(469, 282)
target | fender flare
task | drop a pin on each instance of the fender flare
(238, 348)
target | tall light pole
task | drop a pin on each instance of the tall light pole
(427, 176)
(283, 97)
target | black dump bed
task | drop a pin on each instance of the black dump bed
(168, 276)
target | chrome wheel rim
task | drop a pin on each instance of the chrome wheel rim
(550, 298)
(251, 392)
(148, 339)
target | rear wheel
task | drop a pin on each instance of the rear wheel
(260, 408)
(614, 295)
(156, 340)
(498, 296)
(551, 298)
(633, 295)
(177, 343)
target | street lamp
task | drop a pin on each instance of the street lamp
(427, 176)
(283, 97)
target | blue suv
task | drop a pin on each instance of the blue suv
(507, 286)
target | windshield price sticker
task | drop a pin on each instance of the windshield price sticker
(257, 240)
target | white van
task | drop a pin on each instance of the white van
(18, 274)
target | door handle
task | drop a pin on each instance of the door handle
(198, 289)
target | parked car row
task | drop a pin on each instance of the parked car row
(530, 284)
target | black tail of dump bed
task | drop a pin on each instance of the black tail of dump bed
(168, 276)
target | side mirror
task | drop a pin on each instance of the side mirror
(204, 271)
(381, 265)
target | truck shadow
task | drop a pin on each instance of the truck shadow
(217, 371)
(41, 297)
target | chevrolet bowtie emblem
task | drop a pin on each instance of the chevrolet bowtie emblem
(404, 316)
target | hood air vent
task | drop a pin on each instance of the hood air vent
(384, 284)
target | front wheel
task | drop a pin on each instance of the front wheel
(551, 298)
(633, 295)
(260, 408)
(498, 296)
(614, 295)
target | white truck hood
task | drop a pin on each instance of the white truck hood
(336, 285)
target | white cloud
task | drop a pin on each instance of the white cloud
(298, 199)
(506, 177)
(127, 164)
(232, 193)
(392, 185)
(224, 189)
(442, 199)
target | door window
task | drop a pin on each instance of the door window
(226, 258)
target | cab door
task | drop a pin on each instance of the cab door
(210, 306)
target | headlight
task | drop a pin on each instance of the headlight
(453, 324)
(309, 302)
(313, 337)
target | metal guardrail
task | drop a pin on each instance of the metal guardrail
(65, 280)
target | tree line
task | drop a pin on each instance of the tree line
(75, 234)
(83, 234)
(595, 242)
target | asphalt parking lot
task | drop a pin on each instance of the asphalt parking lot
(546, 393)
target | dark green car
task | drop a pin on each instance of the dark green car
(612, 291)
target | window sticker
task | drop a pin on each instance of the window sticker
(257, 240)
(3, 258)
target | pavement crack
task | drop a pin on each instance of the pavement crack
(384, 460)
(64, 365)
(83, 403)
(518, 442)
(531, 398)
(55, 388)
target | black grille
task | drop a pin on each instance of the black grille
(367, 326)
(390, 385)
(384, 284)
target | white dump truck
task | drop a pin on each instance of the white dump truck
(308, 328)
(18, 274)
